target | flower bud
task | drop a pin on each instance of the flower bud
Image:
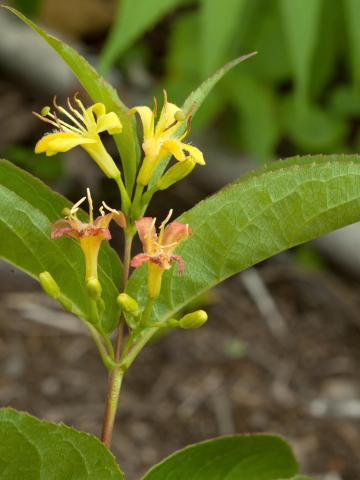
(49, 285)
(175, 173)
(193, 320)
(128, 303)
(93, 287)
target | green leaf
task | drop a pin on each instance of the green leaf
(196, 98)
(258, 216)
(132, 20)
(245, 457)
(352, 20)
(100, 91)
(301, 20)
(33, 449)
(257, 128)
(220, 21)
(27, 210)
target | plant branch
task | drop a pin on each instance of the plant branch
(117, 373)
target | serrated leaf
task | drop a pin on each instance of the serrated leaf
(27, 210)
(132, 20)
(32, 449)
(245, 457)
(100, 91)
(301, 27)
(219, 23)
(258, 216)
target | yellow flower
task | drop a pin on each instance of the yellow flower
(81, 128)
(164, 138)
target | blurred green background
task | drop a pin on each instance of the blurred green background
(300, 94)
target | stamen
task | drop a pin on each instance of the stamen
(102, 211)
(165, 99)
(90, 202)
(79, 102)
(111, 210)
(76, 205)
(75, 112)
(46, 120)
(62, 110)
(162, 226)
(45, 111)
(155, 108)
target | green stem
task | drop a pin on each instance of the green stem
(117, 373)
(112, 401)
(136, 205)
(106, 354)
(125, 199)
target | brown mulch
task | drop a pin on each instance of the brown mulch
(231, 376)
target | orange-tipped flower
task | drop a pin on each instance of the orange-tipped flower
(158, 249)
(91, 234)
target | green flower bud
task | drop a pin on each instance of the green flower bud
(49, 285)
(175, 173)
(193, 320)
(128, 303)
(93, 287)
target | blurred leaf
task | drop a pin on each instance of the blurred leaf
(261, 214)
(328, 49)
(301, 22)
(132, 20)
(100, 91)
(314, 130)
(245, 457)
(28, 208)
(345, 101)
(352, 20)
(265, 36)
(28, 7)
(219, 23)
(258, 126)
(38, 165)
(33, 449)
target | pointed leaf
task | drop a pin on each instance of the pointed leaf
(27, 210)
(100, 91)
(32, 449)
(245, 457)
(132, 20)
(258, 216)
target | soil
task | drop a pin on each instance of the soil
(231, 376)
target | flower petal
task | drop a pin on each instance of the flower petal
(194, 153)
(174, 234)
(63, 227)
(60, 142)
(147, 233)
(180, 262)
(175, 148)
(167, 118)
(139, 260)
(147, 119)
(109, 122)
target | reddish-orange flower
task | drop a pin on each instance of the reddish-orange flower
(158, 249)
(91, 234)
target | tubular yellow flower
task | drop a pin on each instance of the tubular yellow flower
(164, 138)
(90, 235)
(82, 128)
